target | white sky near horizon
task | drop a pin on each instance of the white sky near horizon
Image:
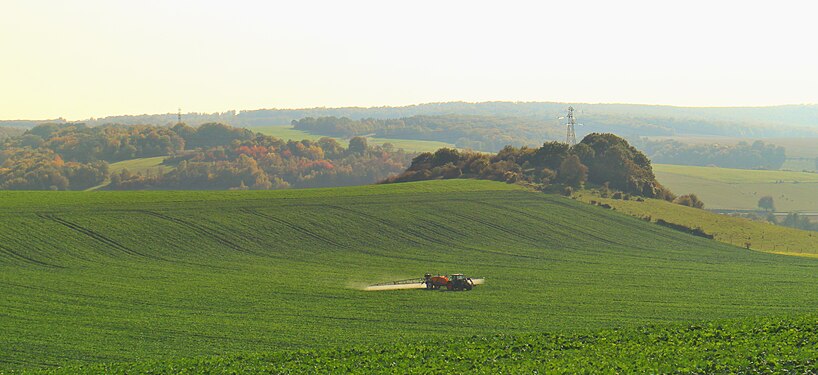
(83, 58)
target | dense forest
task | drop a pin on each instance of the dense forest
(757, 155)
(43, 169)
(602, 159)
(68, 156)
(8, 132)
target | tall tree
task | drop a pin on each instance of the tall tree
(573, 172)
(766, 203)
(357, 145)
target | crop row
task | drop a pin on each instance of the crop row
(748, 346)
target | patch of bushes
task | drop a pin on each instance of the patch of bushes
(682, 228)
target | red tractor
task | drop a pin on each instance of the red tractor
(454, 282)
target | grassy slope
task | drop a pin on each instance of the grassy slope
(133, 276)
(762, 236)
(723, 188)
(287, 132)
(140, 165)
(738, 176)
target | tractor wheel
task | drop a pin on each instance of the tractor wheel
(449, 286)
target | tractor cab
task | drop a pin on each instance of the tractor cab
(460, 282)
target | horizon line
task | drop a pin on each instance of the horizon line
(421, 104)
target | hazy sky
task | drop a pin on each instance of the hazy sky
(79, 59)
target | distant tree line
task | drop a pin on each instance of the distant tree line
(625, 119)
(482, 133)
(758, 155)
(794, 220)
(601, 159)
(71, 156)
(111, 143)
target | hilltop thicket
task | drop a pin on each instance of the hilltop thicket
(212, 156)
(602, 159)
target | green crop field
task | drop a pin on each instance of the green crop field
(411, 145)
(151, 278)
(746, 346)
(740, 189)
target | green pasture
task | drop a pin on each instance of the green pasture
(141, 277)
(285, 132)
(737, 176)
(141, 165)
(152, 165)
(740, 189)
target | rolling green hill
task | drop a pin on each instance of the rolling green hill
(149, 276)
(736, 231)
(740, 189)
